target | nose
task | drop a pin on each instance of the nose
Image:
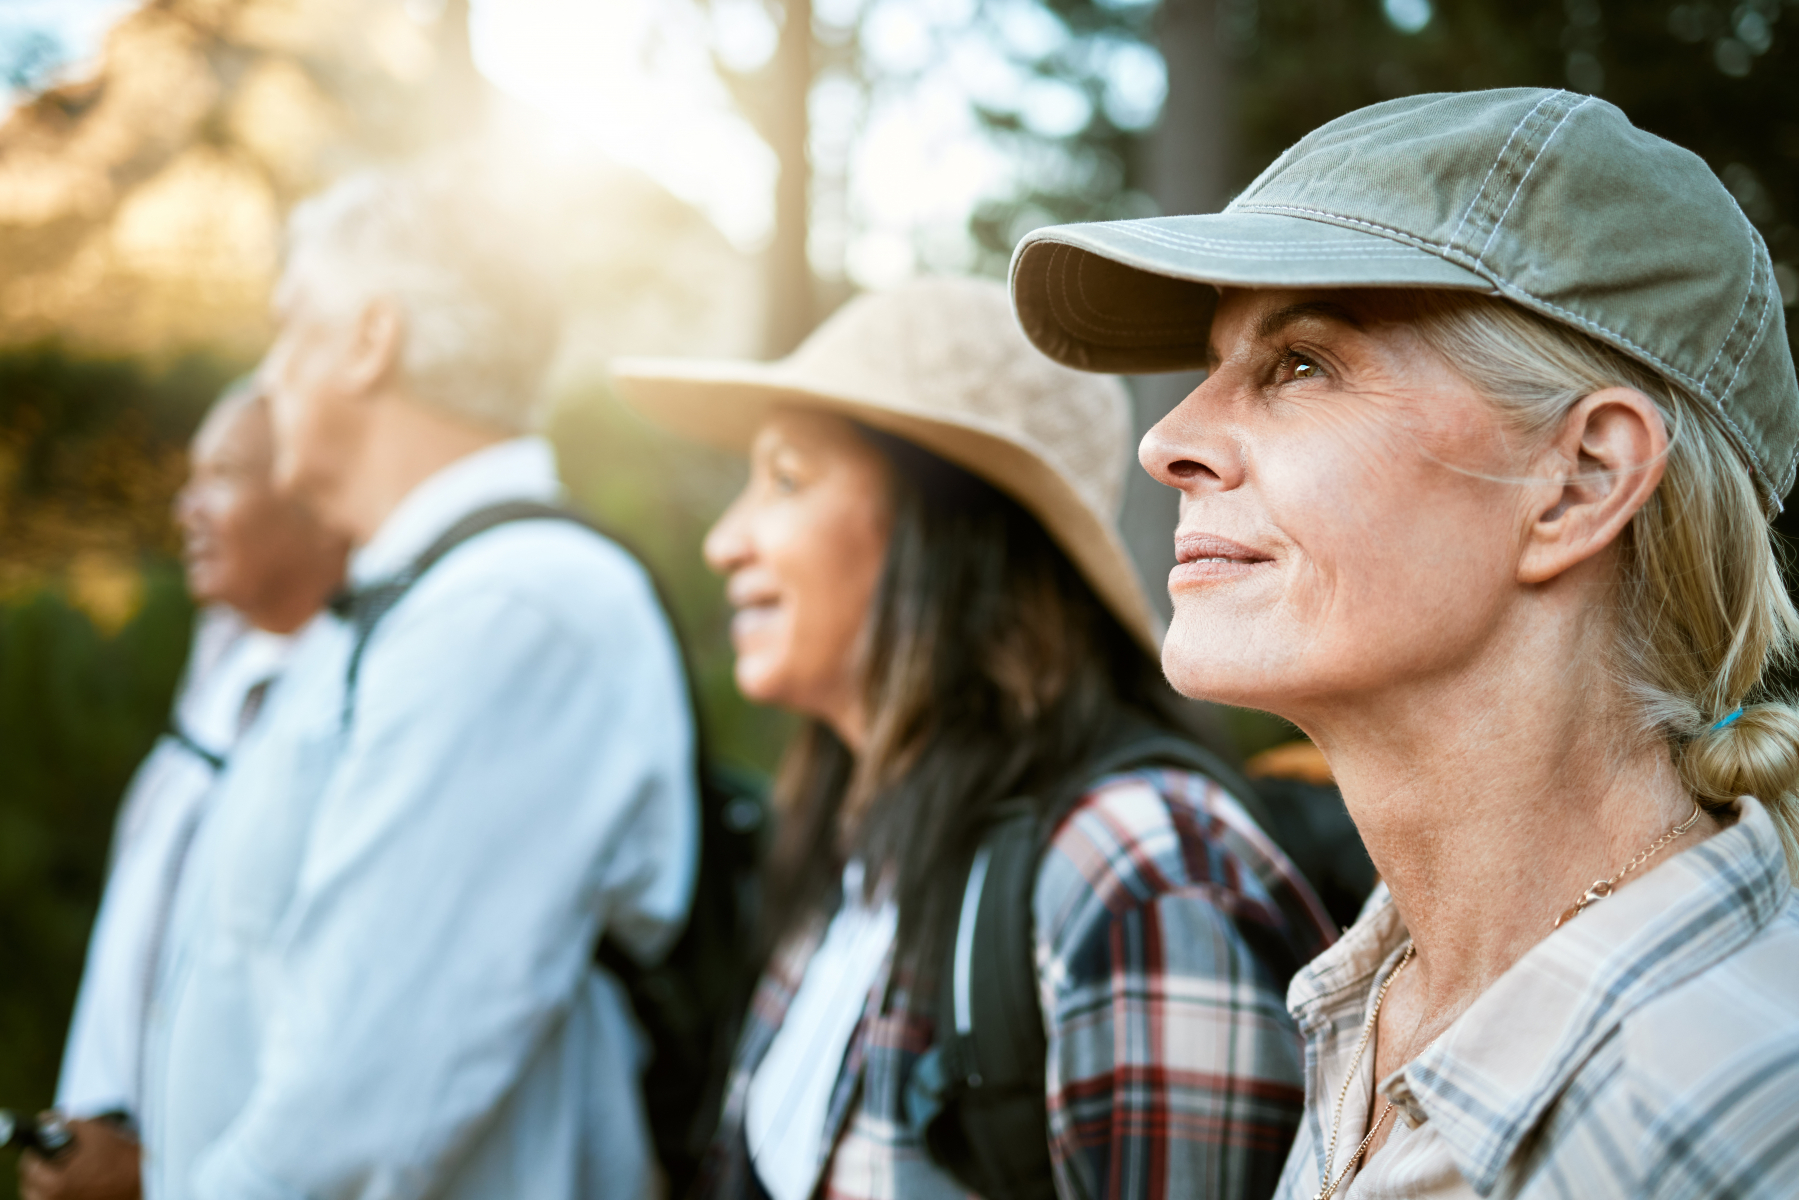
(728, 545)
(1191, 449)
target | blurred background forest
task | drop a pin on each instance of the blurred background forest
(712, 176)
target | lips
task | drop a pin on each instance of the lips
(1208, 547)
(1205, 558)
(756, 607)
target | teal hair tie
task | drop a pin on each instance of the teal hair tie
(1730, 718)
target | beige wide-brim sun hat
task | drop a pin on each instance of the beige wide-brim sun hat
(943, 364)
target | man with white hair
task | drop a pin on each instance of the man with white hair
(379, 979)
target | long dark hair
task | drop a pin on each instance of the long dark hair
(991, 666)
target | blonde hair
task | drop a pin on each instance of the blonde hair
(1703, 612)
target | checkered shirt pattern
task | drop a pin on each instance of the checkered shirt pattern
(1173, 1068)
(1647, 1049)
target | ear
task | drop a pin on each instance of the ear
(1599, 469)
(373, 350)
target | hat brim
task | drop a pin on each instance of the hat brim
(1137, 297)
(724, 404)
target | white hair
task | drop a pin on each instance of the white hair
(480, 322)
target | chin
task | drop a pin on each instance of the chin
(756, 682)
(202, 588)
(1200, 660)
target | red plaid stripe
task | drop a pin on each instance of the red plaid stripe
(1173, 1067)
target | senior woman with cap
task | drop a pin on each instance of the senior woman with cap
(1475, 492)
(924, 565)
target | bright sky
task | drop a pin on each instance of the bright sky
(77, 25)
(633, 79)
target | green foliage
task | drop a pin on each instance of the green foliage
(90, 456)
(1092, 173)
(91, 452)
(60, 405)
(1720, 78)
(78, 710)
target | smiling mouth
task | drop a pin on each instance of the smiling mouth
(1207, 558)
(1209, 548)
(749, 616)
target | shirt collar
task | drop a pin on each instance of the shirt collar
(521, 468)
(1484, 1084)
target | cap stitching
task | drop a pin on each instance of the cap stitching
(1243, 249)
(1743, 440)
(1754, 269)
(1754, 338)
(1759, 265)
(1474, 201)
(1724, 343)
(1536, 158)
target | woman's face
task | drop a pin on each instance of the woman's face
(802, 548)
(1336, 534)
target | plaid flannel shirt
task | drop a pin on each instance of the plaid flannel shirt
(1649, 1048)
(1173, 1068)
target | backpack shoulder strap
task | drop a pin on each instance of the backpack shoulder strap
(980, 1101)
(177, 733)
(363, 608)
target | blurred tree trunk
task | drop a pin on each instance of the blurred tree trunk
(789, 314)
(1189, 170)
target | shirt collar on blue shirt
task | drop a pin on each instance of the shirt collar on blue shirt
(1487, 1080)
(522, 468)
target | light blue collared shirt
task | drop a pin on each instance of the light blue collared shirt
(378, 980)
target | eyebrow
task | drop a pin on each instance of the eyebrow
(1273, 322)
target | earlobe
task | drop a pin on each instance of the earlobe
(1597, 472)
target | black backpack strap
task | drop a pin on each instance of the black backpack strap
(181, 737)
(688, 1003)
(977, 1096)
(363, 608)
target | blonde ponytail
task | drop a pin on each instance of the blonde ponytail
(1752, 756)
(1703, 614)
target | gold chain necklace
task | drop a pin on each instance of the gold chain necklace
(1605, 887)
(1330, 1186)
(1599, 891)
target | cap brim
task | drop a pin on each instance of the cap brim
(1137, 297)
(724, 403)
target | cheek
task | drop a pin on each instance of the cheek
(1390, 562)
(828, 564)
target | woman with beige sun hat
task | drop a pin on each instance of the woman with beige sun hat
(1023, 941)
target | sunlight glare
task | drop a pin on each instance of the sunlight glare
(633, 79)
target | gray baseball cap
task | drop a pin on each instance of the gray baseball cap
(1550, 199)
